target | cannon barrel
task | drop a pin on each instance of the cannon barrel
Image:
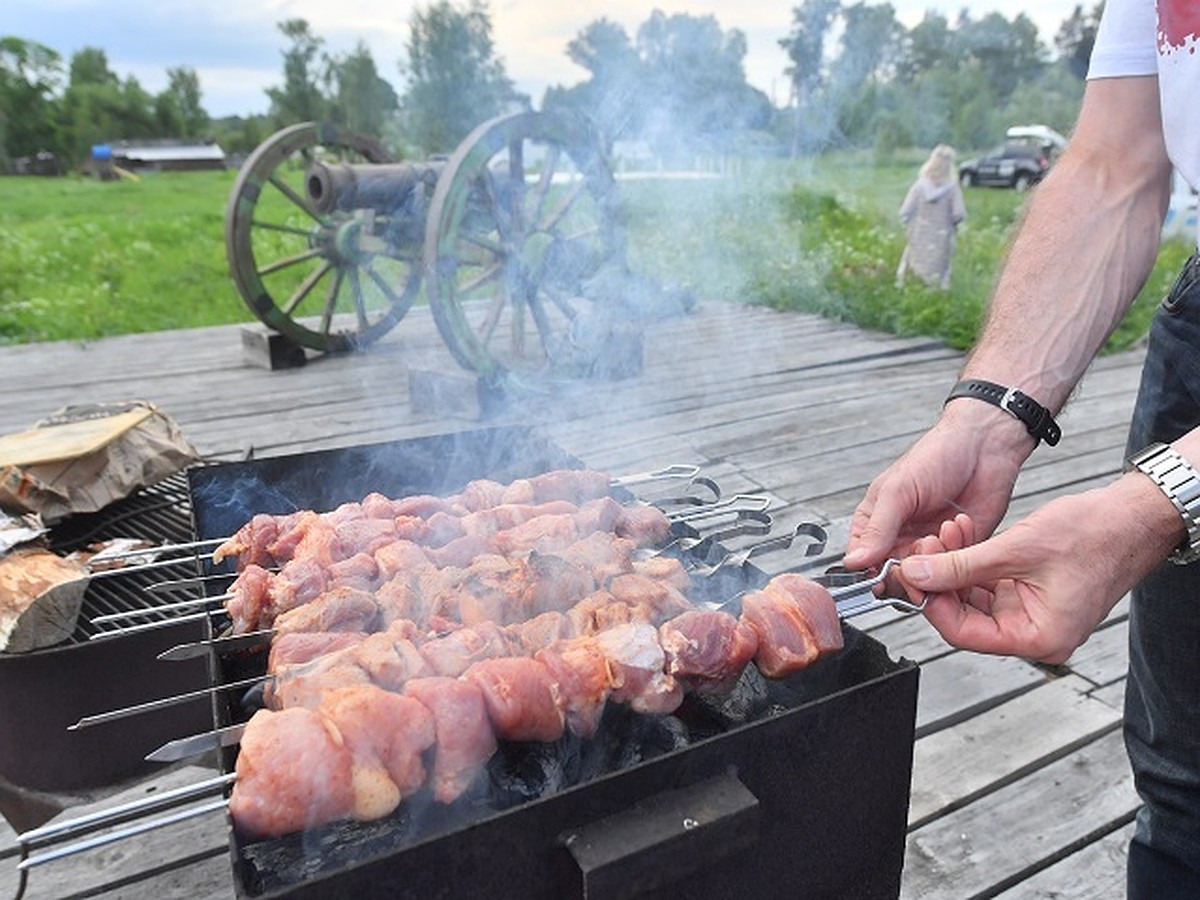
(380, 186)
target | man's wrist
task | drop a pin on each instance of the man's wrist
(1037, 419)
(1179, 483)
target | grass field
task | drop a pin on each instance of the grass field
(83, 259)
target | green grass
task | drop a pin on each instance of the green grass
(84, 259)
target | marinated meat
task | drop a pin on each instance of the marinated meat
(523, 699)
(528, 637)
(601, 611)
(646, 526)
(452, 654)
(250, 599)
(584, 676)
(465, 738)
(796, 621)
(658, 597)
(666, 569)
(386, 734)
(707, 649)
(305, 646)
(294, 771)
(341, 609)
(401, 558)
(638, 667)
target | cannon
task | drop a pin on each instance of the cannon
(515, 241)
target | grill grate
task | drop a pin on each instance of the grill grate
(160, 514)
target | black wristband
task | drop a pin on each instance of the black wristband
(1036, 418)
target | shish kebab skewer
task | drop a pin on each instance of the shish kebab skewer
(678, 471)
(850, 600)
(747, 522)
(747, 511)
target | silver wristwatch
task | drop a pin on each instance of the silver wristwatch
(1181, 483)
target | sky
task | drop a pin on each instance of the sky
(236, 48)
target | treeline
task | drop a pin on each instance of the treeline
(857, 78)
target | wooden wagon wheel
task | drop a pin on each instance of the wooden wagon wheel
(523, 227)
(329, 281)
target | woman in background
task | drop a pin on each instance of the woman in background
(930, 213)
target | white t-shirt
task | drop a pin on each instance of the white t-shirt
(1145, 37)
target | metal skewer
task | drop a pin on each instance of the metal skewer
(736, 503)
(124, 813)
(163, 702)
(219, 644)
(163, 548)
(675, 471)
(150, 626)
(781, 542)
(857, 598)
(144, 567)
(164, 608)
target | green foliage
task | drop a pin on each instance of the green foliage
(300, 99)
(454, 78)
(86, 259)
(824, 239)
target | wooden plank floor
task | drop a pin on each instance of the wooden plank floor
(1020, 784)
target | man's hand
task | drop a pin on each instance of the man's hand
(967, 463)
(1038, 589)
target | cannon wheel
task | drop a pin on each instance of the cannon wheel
(523, 225)
(330, 282)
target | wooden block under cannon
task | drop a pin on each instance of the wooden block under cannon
(270, 350)
(458, 393)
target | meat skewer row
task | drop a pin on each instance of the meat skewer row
(269, 540)
(357, 749)
(258, 595)
(558, 551)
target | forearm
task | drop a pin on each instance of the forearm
(1088, 242)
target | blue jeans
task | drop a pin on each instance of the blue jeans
(1162, 697)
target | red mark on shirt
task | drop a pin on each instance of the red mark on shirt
(1178, 25)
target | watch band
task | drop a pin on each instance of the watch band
(1177, 479)
(1035, 417)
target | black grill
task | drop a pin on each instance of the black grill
(796, 787)
(44, 692)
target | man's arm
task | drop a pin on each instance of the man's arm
(1088, 242)
(1087, 245)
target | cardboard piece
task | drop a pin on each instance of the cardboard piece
(85, 457)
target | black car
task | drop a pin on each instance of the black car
(1014, 165)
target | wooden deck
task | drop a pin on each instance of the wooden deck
(1020, 786)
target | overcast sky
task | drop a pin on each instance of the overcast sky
(235, 47)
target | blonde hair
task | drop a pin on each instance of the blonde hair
(940, 165)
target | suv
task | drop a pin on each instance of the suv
(1015, 165)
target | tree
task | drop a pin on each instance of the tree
(610, 96)
(300, 99)
(1006, 52)
(362, 101)
(98, 107)
(869, 57)
(177, 110)
(1076, 37)
(30, 77)
(805, 47)
(455, 80)
(695, 84)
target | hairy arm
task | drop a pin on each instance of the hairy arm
(1088, 243)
